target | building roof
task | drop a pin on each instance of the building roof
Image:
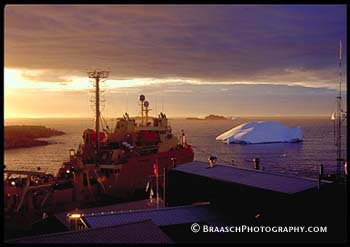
(254, 178)
(137, 232)
(160, 217)
(119, 207)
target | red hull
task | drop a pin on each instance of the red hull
(139, 170)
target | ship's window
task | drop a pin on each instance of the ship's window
(85, 182)
(14, 200)
(104, 156)
(91, 174)
(93, 180)
(114, 145)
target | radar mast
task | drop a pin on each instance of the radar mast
(339, 116)
(98, 76)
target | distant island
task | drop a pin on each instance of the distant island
(215, 117)
(209, 117)
(19, 136)
(194, 118)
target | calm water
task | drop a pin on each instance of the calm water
(300, 159)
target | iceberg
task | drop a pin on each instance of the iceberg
(261, 132)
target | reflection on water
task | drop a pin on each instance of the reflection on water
(291, 158)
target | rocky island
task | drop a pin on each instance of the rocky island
(194, 118)
(209, 117)
(19, 136)
(215, 117)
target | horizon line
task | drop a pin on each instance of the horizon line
(174, 117)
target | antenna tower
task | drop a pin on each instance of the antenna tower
(97, 77)
(339, 116)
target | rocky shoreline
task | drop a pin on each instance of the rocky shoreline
(20, 136)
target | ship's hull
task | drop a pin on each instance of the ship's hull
(138, 171)
(132, 177)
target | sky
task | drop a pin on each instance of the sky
(188, 60)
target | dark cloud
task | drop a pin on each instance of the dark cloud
(276, 43)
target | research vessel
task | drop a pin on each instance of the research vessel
(108, 164)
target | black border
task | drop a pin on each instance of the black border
(73, 2)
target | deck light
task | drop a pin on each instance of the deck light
(75, 220)
(75, 216)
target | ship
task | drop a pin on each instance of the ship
(109, 164)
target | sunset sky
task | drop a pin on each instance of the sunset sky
(233, 60)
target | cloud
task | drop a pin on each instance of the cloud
(273, 43)
(46, 76)
(179, 100)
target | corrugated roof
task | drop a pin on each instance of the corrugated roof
(161, 217)
(127, 206)
(138, 232)
(254, 178)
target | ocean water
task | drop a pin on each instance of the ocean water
(301, 159)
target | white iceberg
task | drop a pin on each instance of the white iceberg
(261, 132)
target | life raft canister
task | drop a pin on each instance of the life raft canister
(92, 136)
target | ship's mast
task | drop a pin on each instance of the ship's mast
(339, 115)
(97, 76)
(142, 99)
(146, 105)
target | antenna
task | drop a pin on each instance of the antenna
(339, 115)
(127, 99)
(98, 76)
(142, 99)
(146, 105)
(156, 103)
(162, 99)
(340, 69)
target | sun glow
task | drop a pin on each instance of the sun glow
(23, 79)
(35, 93)
(27, 96)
